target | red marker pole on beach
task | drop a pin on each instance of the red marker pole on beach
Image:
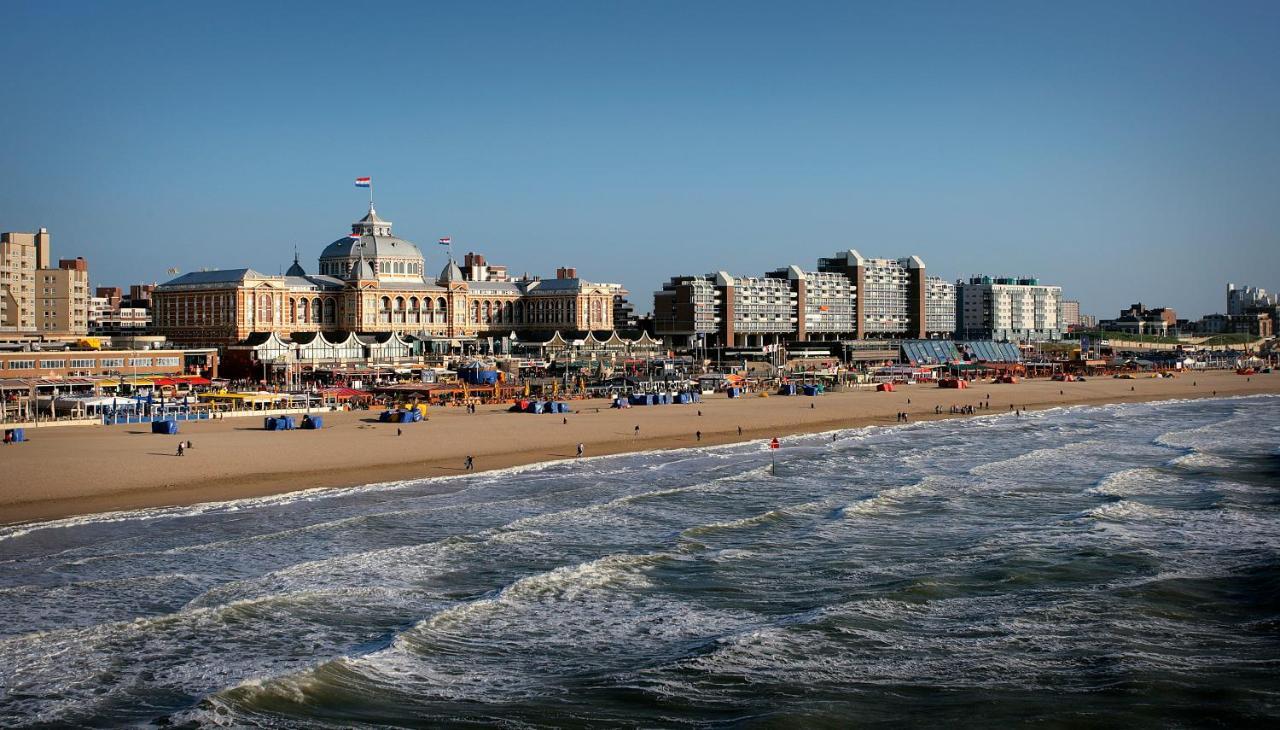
(773, 446)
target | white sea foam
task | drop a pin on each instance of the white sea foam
(1128, 510)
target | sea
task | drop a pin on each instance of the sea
(1109, 566)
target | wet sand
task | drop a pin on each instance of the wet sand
(69, 471)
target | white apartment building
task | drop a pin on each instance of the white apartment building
(885, 293)
(939, 307)
(1008, 309)
(1243, 298)
(761, 304)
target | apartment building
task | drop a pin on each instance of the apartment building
(1008, 309)
(62, 299)
(21, 255)
(888, 294)
(1242, 299)
(1070, 314)
(37, 299)
(848, 297)
(939, 307)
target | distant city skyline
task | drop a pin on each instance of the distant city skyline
(1124, 153)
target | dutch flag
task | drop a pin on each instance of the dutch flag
(363, 182)
(446, 241)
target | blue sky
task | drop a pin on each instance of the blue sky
(1128, 151)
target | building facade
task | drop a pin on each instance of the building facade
(1242, 299)
(62, 299)
(36, 298)
(21, 256)
(1008, 309)
(888, 294)
(98, 363)
(848, 297)
(1070, 314)
(939, 307)
(1141, 320)
(374, 282)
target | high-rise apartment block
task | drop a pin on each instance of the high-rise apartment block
(21, 255)
(939, 307)
(888, 294)
(1240, 300)
(62, 298)
(849, 297)
(1008, 309)
(1070, 314)
(36, 298)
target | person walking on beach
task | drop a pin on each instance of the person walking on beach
(565, 420)
(181, 451)
(698, 434)
(398, 431)
(637, 431)
(739, 430)
(469, 464)
(581, 448)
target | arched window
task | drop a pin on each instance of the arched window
(315, 311)
(264, 309)
(519, 312)
(415, 314)
(384, 312)
(399, 309)
(488, 312)
(330, 311)
(506, 312)
(475, 312)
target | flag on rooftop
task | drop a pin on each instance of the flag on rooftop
(445, 241)
(363, 182)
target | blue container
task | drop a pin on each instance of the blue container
(811, 390)
(287, 423)
(167, 427)
(312, 423)
(385, 416)
(537, 407)
(16, 435)
(787, 389)
(734, 392)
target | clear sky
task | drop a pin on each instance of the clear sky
(1125, 150)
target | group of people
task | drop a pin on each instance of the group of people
(183, 446)
(902, 417)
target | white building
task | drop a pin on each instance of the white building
(939, 307)
(1239, 300)
(1008, 309)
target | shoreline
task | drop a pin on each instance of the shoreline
(72, 472)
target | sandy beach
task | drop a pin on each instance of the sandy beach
(69, 471)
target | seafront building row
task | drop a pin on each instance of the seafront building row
(852, 297)
(373, 282)
(371, 303)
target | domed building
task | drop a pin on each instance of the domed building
(372, 283)
(390, 258)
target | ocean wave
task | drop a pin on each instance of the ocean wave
(894, 496)
(1128, 510)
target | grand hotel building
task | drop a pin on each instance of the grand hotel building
(373, 282)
